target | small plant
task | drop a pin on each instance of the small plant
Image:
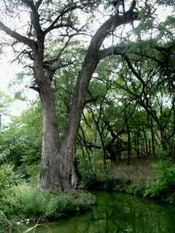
(163, 187)
(163, 155)
(8, 177)
(6, 224)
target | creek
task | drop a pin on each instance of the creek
(118, 213)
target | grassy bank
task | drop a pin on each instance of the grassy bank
(24, 204)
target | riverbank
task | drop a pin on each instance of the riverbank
(144, 177)
(116, 212)
(139, 170)
(21, 204)
(24, 204)
(122, 177)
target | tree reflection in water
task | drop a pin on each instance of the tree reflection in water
(120, 213)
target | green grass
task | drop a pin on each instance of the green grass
(28, 202)
(24, 203)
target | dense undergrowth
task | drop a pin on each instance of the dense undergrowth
(163, 188)
(29, 202)
(22, 203)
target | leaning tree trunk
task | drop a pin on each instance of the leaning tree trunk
(68, 145)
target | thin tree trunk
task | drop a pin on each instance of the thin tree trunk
(129, 143)
(146, 142)
(153, 138)
(149, 146)
(138, 144)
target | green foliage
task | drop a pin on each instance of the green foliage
(8, 178)
(29, 202)
(144, 26)
(5, 101)
(166, 2)
(6, 225)
(20, 144)
(162, 155)
(164, 186)
(134, 188)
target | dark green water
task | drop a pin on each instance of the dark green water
(119, 213)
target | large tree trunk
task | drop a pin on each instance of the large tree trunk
(58, 157)
(50, 177)
(57, 170)
(57, 160)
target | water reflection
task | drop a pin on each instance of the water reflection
(119, 213)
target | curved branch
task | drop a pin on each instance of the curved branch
(17, 36)
(89, 65)
(68, 9)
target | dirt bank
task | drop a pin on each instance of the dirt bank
(139, 170)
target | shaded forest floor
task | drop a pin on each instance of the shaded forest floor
(139, 170)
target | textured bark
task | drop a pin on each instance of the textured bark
(57, 167)
(50, 175)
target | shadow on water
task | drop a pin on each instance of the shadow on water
(119, 213)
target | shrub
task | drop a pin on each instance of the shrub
(28, 202)
(8, 177)
(163, 155)
(164, 186)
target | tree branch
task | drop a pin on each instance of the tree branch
(68, 9)
(35, 17)
(38, 4)
(89, 65)
(112, 50)
(17, 36)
